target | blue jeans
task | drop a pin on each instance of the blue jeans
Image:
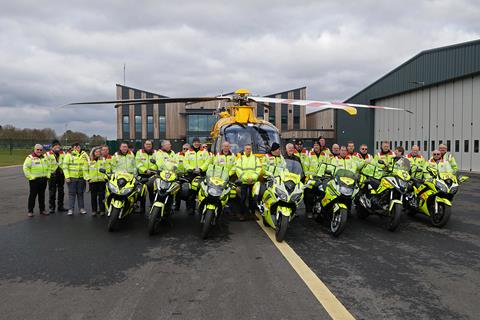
(76, 188)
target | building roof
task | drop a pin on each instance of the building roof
(428, 68)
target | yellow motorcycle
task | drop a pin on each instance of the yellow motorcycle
(282, 198)
(214, 191)
(123, 191)
(334, 197)
(165, 186)
(382, 190)
(433, 195)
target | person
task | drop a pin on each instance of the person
(57, 178)
(106, 155)
(416, 160)
(335, 151)
(196, 164)
(166, 157)
(399, 153)
(97, 180)
(323, 145)
(351, 150)
(344, 160)
(248, 169)
(181, 170)
(301, 153)
(365, 157)
(36, 169)
(123, 160)
(225, 158)
(439, 163)
(315, 158)
(146, 169)
(291, 153)
(385, 153)
(75, 164)
(448, 157)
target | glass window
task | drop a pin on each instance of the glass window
(138, 126)
(126, 127)
(162, 124)
(271, 113)
(433, 144)
(149, 127)
(260, 111)
(391, 145)
(419, 144)
(284, 116)
(296, 117)
(376, 145)
(401, 143)
(425, 145)
(440, 142)
(448, 145)
(475, 146)
(413, 142)
(260, 137)
(406, 145)
(457, 145)
(466, 145)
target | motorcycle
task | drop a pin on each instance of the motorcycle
(333, 197)
(283, 195)
(384, 192)
(214, 191)
(123, 191)
(165, 186)
(433, 195)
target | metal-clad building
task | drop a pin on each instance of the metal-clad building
(442, 88)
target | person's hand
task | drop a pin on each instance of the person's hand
(68, 180)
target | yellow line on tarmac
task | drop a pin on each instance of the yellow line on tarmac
(5, 167)
(335, 308)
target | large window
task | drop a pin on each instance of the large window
(271, 114)
(138, 127)
(284, 116)
(296, 117)
(200, 122)
(149, 127)
(126, 127)
(162, 124)
(260, 111)
(261, 137)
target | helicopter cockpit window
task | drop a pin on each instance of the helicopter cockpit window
(261, 137)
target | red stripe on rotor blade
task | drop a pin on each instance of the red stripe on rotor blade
(316, 104)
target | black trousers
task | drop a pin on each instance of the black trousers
(56, 190)
(308, 200)
(246, 195)
(97, 196)
(37, 188)
(150, 191)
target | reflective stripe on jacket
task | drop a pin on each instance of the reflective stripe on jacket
(36, 167)
(75, 164)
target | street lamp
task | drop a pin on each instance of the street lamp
(422, 83)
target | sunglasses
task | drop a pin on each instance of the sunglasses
(38, 149)
(363, 148)
(436, 154)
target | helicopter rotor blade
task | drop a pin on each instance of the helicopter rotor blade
(309, 103)
(150, 100)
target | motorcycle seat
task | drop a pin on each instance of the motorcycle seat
(373, 183)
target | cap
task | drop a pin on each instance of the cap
(196, 139)
(275, 146)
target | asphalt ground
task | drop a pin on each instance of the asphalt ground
(61, 267)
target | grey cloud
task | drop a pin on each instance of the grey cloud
(59, 52)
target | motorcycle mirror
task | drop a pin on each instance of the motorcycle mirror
(381, 161)
(463, 179)
(153, 161)
(102, 170)
(328, 172)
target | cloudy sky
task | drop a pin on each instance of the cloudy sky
(52, 53)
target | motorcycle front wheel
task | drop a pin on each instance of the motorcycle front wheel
(338, 222)
(207, 222)
(395, 216)
(281, 228)
(154, 219)
(441, 218)
(113, 219)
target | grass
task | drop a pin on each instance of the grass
(17, 156)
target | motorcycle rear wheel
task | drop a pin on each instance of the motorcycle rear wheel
(207, 222)
(113, 220)
(440, 219)
(338, 222)
(154, 220)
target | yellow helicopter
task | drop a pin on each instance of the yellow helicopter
(237, 122)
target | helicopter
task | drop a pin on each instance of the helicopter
(237, 122)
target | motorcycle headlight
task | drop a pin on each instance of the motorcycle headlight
(441, 186)
(164, 184)
(112, 187)
(296, 197)
(125, 191)
(346, 191)
(282, 195)
(454, 190)
(215, 192)
(402, 183)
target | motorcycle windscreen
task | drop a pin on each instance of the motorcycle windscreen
(295, 167)
(259, 136)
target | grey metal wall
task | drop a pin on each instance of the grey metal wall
(454, 119)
